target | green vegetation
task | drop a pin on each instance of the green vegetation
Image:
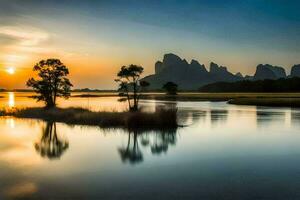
(190, 96)
(259, 99)
(91, 90)
(170, 88)
(52, 82)
(276, 102)
(104, 94)
(279, 85)
(263, 99)
(160, 119)
(130, 85)
(286, 99)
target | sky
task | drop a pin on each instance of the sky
(95, 38)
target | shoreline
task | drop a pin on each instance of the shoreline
(158, 120)
(258, 99)
(271, 102)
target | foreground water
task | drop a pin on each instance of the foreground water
(224, 152)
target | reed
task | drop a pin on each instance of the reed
(160, 119)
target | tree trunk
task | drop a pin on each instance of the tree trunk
(135, 105)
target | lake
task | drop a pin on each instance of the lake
(222, 152)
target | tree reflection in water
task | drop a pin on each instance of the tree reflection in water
(162, 140)
(50, 145)
(132, 152)
(158, 142)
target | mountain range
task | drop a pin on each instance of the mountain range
(191, 76)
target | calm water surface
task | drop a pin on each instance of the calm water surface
(224, 152)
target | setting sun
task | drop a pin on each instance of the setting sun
(10, 70)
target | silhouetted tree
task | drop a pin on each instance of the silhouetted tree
(130, 85)
(52, 81)
(171, 88)
(50, 145)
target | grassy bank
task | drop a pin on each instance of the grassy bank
(161, 119)
(192, 96)
(259, 99)
(276, 102)
(198, 96)
(185, 96)
(88, 95)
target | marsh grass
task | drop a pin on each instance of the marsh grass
(260, 101)
(95, 95)
(161, 119)
(195, 96)
(198, 96)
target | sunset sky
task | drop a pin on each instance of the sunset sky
(94, 38)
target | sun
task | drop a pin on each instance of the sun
(10, 70)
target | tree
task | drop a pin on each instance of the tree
(171, 88)
(130, 86)
(52, 81)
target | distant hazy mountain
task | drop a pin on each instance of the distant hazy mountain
(187, 75)
(220, 73)
(295, 72)
(269, 72)
(193, 75)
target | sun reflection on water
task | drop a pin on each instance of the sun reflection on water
(11, 99)
(11, 122)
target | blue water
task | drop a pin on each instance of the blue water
(223, 152)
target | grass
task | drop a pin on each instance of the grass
(265, 99)
(95, 95)
(198, 96)
(259, 99)
(192, 96)
(276, 102)
(161, 119)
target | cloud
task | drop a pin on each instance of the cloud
(22, 36)
(7, 40)
(19, 43)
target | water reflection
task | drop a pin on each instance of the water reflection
(295, 116)
(131, 152)
(268, 116)
(218, 116)
(11, 122)
(50, 144)
(198, 116)
(22, 190)
(162, 141)
(190, 117)
(256, 148)
(11, 99)
(157, 141)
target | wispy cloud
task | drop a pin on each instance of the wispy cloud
(24, 36)
(19, 43)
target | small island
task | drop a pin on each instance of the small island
(160, 119)
(52, 83)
